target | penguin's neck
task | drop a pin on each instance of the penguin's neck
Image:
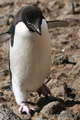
(23, 36)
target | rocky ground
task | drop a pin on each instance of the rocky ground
(64, 79)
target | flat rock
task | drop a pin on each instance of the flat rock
(7, 114)
(53, 108)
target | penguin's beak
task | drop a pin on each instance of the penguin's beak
(38, 29)
(35, 27)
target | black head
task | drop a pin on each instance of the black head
(32, 17)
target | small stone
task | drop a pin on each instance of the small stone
(58, 91)
(52, 82)
(60, 59)
(1, 93)
(42, 117)
(61, 75)
(63, 50)
(64, 115)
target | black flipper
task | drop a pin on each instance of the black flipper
(57, 23)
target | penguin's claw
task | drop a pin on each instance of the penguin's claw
(44, 90)
(25, 109)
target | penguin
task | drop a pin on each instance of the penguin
(30, 54)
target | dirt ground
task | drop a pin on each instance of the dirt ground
(64, 78)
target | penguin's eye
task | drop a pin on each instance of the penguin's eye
(28, 23)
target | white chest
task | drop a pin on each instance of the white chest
(30, 56)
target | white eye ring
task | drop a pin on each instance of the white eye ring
(28, 23)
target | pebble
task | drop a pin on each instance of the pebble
(64, 115)
(58, 91)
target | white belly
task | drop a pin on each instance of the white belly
(30, 57)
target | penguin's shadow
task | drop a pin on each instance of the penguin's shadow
(44, 101)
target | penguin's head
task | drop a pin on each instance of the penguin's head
(32, 17)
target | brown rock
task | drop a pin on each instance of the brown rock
(64, 115)
(53, 108)
(7, 114)
(58, 91)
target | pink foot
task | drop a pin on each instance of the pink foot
(44, 90)
(25, 109)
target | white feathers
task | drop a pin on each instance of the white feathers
(30, 60)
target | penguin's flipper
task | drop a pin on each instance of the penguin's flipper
(57, 23)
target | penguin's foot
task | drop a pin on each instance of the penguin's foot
(44, 90)
(25, 109)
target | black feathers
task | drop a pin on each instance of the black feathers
(31, 16)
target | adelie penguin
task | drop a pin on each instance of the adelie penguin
(30, 54)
